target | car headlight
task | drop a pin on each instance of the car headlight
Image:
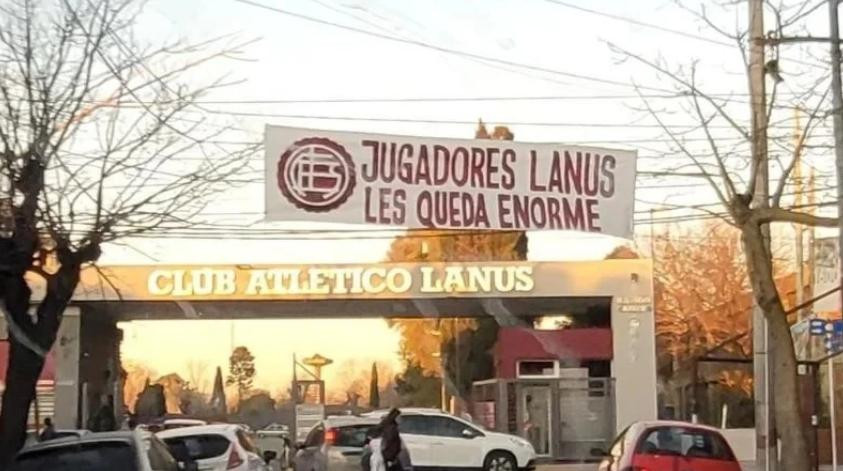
(520, 442)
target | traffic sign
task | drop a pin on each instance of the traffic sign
(817, 327)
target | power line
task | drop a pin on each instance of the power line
(447, 50)
(640, 23)
(454, 121)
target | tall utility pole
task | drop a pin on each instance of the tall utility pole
(799, 229)
(837, 107)
(765, 436)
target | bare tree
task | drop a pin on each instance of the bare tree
(100, 139)
(737, 167)
(197, 374)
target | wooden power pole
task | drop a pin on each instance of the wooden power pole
(765, 435)
(837, 107)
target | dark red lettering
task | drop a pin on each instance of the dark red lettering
(423, 169)
(554, 218)
(590, 173)
(504, 211)
(424, 209)
(367, 202)
(478, 156)
(491, 168)
(592, 215)
(607, 169)
(508, 180)
(441, 164)
(454, 209)
(573, 173)
(533, 185)
(537, 212)
(400, 204)
(555, 181)
(482, 216)
(574, 217)
(459, 162)
(405, 164)
(383, 205)
(521, 209)
(370, 172)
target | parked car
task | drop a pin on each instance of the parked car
(216, 447)
(433, 438)
(170, 424)
(32, 437)
(669, 445)
(440, 440)
(276, 437)
(129, 451)
(335, 444)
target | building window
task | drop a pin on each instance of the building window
(556, 322)
(538, 369)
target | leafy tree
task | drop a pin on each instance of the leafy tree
(417, 388)
(431, 344)
(241, 371)
(749, 168)
(100, 139)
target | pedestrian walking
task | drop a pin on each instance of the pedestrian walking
(391, 445)
(48, 432)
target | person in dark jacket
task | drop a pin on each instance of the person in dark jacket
(391, 441)
(49, 431)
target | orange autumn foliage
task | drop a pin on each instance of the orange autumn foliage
(422, 339)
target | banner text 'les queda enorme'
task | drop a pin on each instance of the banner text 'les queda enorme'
(414, 182)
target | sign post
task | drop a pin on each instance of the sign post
(832, 416)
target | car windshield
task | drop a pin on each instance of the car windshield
(352, 436)
(688, 442)
(95, 456)
(197, 447)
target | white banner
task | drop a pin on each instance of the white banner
(416, 182)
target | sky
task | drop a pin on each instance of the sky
(573, 55)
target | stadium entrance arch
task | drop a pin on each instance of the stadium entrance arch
(610, 302)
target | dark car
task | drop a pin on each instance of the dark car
(124, 451)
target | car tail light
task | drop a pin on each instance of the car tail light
(234, 459)
(331, 436)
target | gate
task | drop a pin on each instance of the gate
(587, 418)
(564, 419)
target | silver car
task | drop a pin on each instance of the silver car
(335, 444)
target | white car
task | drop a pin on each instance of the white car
(170, 424)
(436, 439)
(217, 447)
(128, 450)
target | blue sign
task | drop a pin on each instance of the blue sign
(817, 327)
(834, 336)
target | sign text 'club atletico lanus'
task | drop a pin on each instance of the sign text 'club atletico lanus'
(416, 182)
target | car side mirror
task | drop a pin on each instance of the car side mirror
(269, 455)
(599, 453)
(468, 433)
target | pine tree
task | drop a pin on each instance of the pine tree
(374, 392)
(241, 371)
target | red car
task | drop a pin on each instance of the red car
(669, 446)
